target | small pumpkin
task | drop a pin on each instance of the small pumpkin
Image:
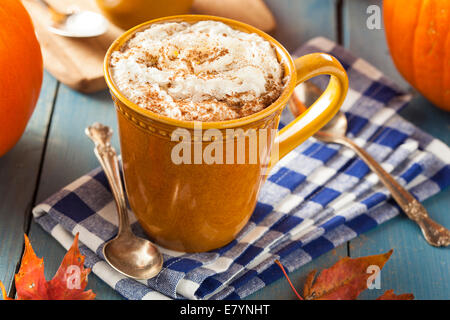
(418, 36)
(21, 72)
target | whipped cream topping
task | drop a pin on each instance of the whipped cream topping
(205, 71)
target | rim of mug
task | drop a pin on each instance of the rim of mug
(283, 55)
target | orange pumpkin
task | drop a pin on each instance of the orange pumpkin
(418, 36)
(21, 72)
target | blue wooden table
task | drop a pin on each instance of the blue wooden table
(54, 151)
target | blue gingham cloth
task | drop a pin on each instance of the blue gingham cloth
(316, 198)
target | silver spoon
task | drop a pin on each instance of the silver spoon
(76, 24)
(334, 132)
(130, 255)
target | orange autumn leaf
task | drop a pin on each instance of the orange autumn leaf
(345, 280)
(390, 295)
(68, 283)
(30, 280)
(71, 274)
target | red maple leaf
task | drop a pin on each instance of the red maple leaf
(345, 280)
(68, 283)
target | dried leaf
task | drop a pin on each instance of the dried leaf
(308, 283)
(345, 280)
(390, 295)
(68, 283)
(70, 280)
(30, 280)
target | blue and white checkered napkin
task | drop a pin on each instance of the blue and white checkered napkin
(317, 197)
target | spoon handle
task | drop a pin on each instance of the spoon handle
(434, 233)
(101, 136)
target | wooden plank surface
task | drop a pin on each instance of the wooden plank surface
(18, 176)
(415, 266)
(301, 20)
(69, 151)
(369, 44)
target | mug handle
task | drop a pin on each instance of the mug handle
(321, 111)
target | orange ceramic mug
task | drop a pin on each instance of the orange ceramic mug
(201, 206)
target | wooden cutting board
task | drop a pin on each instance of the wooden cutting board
(78, 63)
